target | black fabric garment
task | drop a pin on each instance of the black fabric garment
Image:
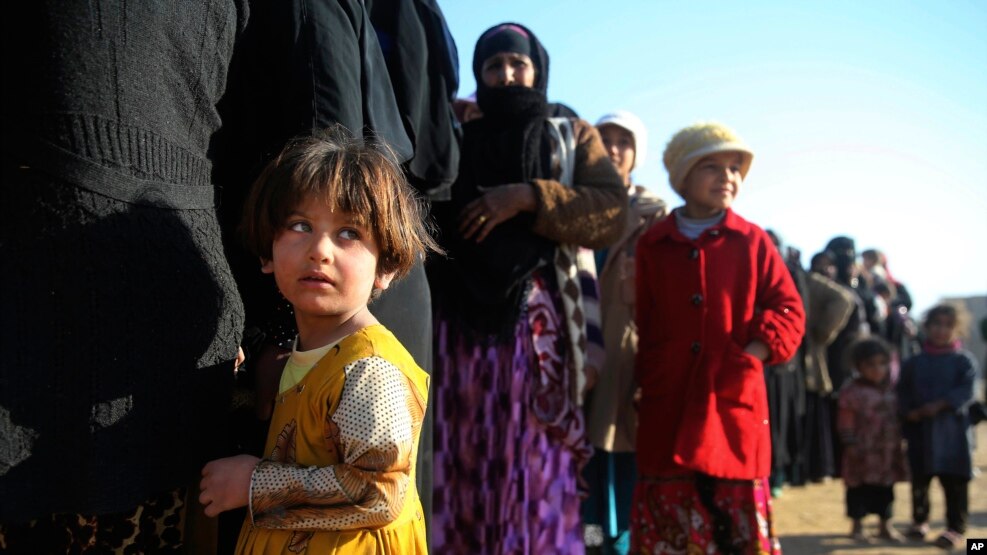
(301, 66)
(786, 393)
(817, 446)
(956, 490)
(423, 65)
(560, 110)
(782, 388)
(483, 284)
(310, 64)
(870, 499)
(119, 318)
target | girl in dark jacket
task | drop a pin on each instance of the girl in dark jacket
(935, 393)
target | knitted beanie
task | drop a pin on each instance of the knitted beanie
(630, 122)
(689, 145)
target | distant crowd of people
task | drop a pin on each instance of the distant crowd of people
(271, 287)
(867, 376)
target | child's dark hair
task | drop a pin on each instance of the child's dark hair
(353, 175)
(868, 347)
(955, 311)
(820, 258)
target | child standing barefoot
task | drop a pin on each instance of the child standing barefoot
(873, 454)
(714, 303)
(935, 393)
(334, 221)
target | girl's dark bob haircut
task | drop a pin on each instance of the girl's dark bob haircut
(359, 177)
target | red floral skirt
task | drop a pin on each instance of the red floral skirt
(699, 515)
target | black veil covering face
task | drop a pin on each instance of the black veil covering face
(483, 284)
(843, 252)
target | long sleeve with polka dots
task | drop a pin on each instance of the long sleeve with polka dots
(373, 432)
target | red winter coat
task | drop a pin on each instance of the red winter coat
(699, 303)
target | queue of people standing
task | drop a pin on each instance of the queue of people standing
(873, 397)
(562, 365)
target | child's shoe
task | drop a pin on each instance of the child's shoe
(949, 540)
(888, 533)
(857, 532)
(918, 532)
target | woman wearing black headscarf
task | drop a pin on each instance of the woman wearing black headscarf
(509, 438)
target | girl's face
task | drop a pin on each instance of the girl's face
(324, 264)
(507, 69)
(619, 143)
(874, 369)
(941, 330)
(712, 184)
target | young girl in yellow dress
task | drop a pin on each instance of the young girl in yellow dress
(333, 219)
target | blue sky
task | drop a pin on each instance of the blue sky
(867, 119)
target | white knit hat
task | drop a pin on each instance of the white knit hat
(689, 145)
(630, 122)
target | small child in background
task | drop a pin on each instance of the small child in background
(335, 222)
(935, 393)
(873, 451)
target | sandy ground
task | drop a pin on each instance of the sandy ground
(811, 519)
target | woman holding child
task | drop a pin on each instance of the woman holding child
(510, 440)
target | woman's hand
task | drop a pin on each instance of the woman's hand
(225, 483)
(592, 376)
(239, 360)
(497, 205)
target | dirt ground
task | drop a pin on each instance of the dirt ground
(811, 519)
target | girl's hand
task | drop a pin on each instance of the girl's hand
(225, 483)
(497, 205)
(933, 408)
(758, 349)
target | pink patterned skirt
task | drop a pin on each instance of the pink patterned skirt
(672, 515)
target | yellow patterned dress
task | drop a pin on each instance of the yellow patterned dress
(339, 474)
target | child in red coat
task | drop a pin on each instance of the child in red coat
(715, 302)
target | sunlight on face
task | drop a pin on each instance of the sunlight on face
(619, 143)
(508, 69)
(712, 184)
(941, 330)
(324, 263)
(874, 369)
